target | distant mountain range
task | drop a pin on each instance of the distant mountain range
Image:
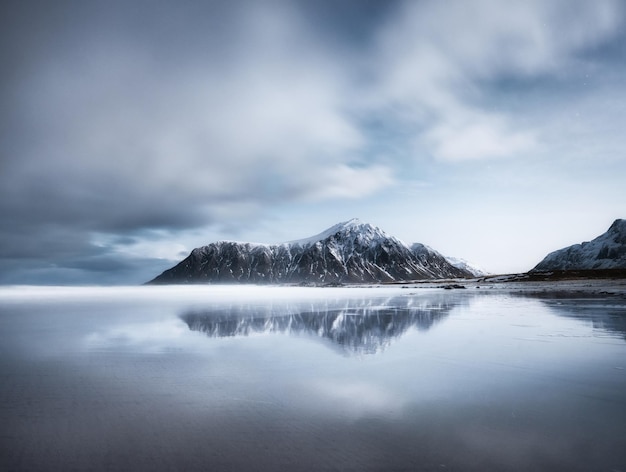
(607, 251)
(349, 252)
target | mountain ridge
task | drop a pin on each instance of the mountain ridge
(348, 252)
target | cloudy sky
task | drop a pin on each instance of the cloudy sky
(133, 131)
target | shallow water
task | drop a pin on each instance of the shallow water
(249, 378)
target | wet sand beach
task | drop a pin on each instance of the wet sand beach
(286, 378)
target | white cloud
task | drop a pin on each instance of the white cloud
(482, 137)
(342, 181)
(438, 59)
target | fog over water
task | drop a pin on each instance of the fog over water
(285, 378)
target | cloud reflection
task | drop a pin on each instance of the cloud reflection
(153, 337)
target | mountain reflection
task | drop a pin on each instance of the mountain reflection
(357, 326)
(606, 315)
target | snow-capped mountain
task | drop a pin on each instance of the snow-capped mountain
(468, 266)
(607, 251)
(349, 252)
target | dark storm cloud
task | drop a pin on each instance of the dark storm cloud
(127, 97)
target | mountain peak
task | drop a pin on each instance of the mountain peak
(351, 222)
(352, 226)
(618, 226)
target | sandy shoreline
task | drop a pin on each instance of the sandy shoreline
(575, 286)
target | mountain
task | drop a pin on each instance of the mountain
(349, 252)
(468, 266)
(607, 251)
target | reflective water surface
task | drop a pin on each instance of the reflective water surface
(250, 378)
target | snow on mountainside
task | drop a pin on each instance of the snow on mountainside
(468, 266)
(607, 251)
(349, 252)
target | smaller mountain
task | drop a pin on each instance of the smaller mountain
(468, 266)
(349, 252)
(607, 251)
